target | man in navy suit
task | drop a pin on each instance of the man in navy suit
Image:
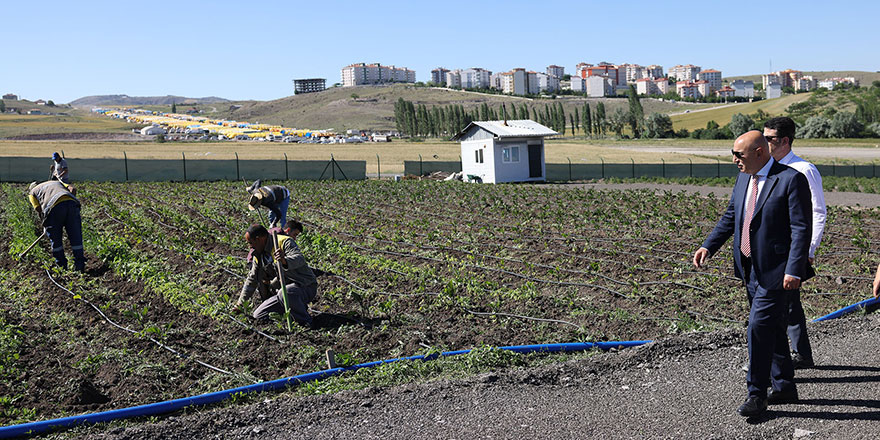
(769, 217)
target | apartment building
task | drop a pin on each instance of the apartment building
(577, 84)
(688, 89)
(713, 77)
(829, 83)
(310, 85)
(598, 86)
(654, 71)
(532, 85)
(369, 74)
(805, 83)
(453, 78)
(725, 92)
(610, 71)
(475, 78)
(633, 72)
(652, 86)
(744, 89)
(438, 76)
(547, 82)
(556, 71)
(785, 78)
(688, 72)
(773, 90)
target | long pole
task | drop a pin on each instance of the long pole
(32, 245)
(281, 280)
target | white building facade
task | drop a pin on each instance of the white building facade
(370, 74)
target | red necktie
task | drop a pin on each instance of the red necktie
(744, 243)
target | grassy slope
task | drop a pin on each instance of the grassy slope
(374, 108)
(722, 115)
(864, 78)
(77, 121)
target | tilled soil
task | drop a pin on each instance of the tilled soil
(686, 386)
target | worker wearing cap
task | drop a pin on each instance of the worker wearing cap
(299, 280)
(274, 197)
(58, 169)
(56, 203)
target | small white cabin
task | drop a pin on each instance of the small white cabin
(503, 151)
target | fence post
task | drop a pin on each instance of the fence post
(718, 168)
(664, 167)
(237, 172)
(125, 160)
(603, 167)
(62, 155)
(332, 167)
(854, 170)
(184, 165)
(833, 168)
(420, 165)
(633, 167)
(569, 168)
(691, 172)
(286, 172)
(378, 167)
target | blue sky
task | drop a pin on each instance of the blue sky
(252, 50)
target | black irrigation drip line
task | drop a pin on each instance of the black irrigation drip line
(346, 280)
(237, 321)
(529, 318)
(111, 322)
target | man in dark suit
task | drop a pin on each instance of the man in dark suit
(769, 217)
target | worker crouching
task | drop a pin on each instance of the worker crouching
(56, 203)
(298, 278)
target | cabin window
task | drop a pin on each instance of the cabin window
(478, 156)
(510, 154)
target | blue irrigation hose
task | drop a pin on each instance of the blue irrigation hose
(168, 406)
(849, 309)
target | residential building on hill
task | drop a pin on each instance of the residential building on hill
(371, 74)
(725, 92)
(713, 77)
(453, 78)
(547, 83)
(438, 76)
(648, 86)
(828, 83)
(556, 71)
(310, 85)
(10, 96)
(687, 72)
(475, 78)
(654, 71)
(742, 88)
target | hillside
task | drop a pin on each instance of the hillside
(373, 107)
(865, 78)
(141, 100)
(722, 114)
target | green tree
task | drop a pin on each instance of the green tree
(504, 112)
(51, 103)
(523, 112)
(637, 113)
(814, 127)
(618, 120)
(588, 120)
(740, 123)
(658, 125)
(600, 118)
(573, 125)
(2, 106)
(845, 125)
(173, 107)
(577, 121)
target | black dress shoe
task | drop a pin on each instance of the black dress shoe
(753, 406)
(800, 361)
(780, 397)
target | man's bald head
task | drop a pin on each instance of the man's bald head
(750, 152)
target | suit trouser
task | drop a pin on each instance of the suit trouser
(66, 216)
(769, 360)
(298, 299)
(797, 327)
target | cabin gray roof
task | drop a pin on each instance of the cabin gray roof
(511, 128)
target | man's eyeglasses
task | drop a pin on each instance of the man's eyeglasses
(772, 138)
(737, 154)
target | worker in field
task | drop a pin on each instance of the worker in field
(56, 203)
(274, 197)
(58, 170)
(291, 229)
(263, 277)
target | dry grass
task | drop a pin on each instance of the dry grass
(722, 115)
(77, 122)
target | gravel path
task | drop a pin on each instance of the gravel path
(686, 386)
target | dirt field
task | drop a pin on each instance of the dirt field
(415, 266)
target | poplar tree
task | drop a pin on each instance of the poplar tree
(588, 121)
(600, 118)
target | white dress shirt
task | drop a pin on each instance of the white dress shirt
(817, 197)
